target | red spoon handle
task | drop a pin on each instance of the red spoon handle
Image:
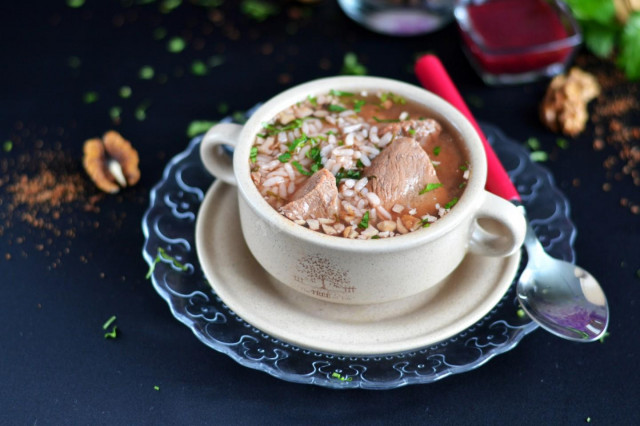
(433, 77)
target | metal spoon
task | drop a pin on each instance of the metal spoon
(563, 298)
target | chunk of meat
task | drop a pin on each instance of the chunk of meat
(317, 198)
(425, 132)
(400, 172)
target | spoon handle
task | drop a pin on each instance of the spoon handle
(434, 77)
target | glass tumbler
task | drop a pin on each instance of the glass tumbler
(400, 17)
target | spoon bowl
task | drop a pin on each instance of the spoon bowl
(563, 298)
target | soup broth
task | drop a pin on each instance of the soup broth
(359, 165)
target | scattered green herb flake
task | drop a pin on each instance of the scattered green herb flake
(141, 111)
(351, 65)
(199, 68)
(176, 44)
(215, 61)
(604, 336)
(168, 6)
(125, 92)
(112, 334)
(163, 255)
(90, 97)
(114, 113)
(357, 105)
(75, 3)
(340, 93)
(562, 143)
(538, 156)
(336, 108)
(425, 223)
(375, 237)
(284, 157)
(253, 154)
(74, 62)
(159, 33)
(412, 132)
(462, 185)
(430, 187)
(533, 144)
(521, 313)
(239, 117)
(464, 167)
(588, 419)
(436, 150)
(451, 203)
(108, 322)
(198, 127)
(298, 142)
(7, 146)
(259, 10)
(157, 388)
(312, 100)
(364, 223)
(223, 108)
(146, 72)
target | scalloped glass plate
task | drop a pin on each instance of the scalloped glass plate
(169, 230)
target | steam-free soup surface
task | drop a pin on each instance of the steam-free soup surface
(359, 165)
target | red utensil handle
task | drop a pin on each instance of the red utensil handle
(434, 77)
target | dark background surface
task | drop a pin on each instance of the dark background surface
(60, 284)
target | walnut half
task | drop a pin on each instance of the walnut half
(564, 107)
(111, 162)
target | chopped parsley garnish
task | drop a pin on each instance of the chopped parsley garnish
(274, 130)
(436, 150)
(259, 10)
(357, 105)
(462, 185)
(113, 333)
(301, 169)
(284, 157)
(156, 388)
(393, 97)
(538, 156)
(412, 132)
(7, 146)
(562, 143)
(90, 97)
(298, 142)
(312, 100)
(163, 255)
(533, 144)
(124, 92)
(381, 120)
(199, 68)
(375, 237)
(464, 168)
(425, 223)
(348, 174)
(253, 154)
(314, 155)
(430, 187)
(340, 93)
(336, 108)
(451, 203)
(364, 223)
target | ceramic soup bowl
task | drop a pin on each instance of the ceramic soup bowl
(363, 271)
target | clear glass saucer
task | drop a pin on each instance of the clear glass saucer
(169, 225)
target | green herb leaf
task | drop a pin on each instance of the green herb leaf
(381, 120)
(312, 100)
(336, 108)
(298, 142)
(7, 146)
(253, 154)
(284, 157)
(163, 255)
(357, 105)
(301, 169)
(364, 223)
(562, 143)
(436, 150)
(451, 203)
(90, 97)
(430, 187)
(533, 144)
(157, 388)
(199, 68)
(75, 3)
(124, 92)
(340, 93)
